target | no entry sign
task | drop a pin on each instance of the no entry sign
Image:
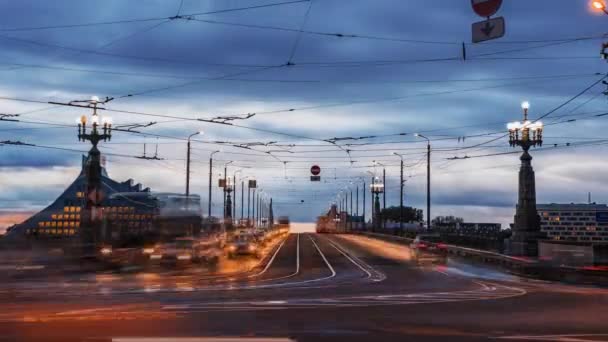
(315, 170)
(486, 8)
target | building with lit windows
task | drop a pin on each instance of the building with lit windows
(61, 219)
(586, 223)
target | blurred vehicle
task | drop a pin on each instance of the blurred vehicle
(244, 244)
(185, 250)
(429, 248)
(283, 224)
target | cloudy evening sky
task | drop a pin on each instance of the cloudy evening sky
(403, 73)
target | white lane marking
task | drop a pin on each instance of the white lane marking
(270, 261)
(492, 292)
(297, 264)
(333, 272)
(359, 264)
(562, 338)
(198, 339)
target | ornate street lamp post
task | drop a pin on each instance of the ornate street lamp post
(377, 188)
(526, 228)
(91, 219)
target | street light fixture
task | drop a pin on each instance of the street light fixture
(526, 228)
(377, 188)
(599, 5)
(90, 223)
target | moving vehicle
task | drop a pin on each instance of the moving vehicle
(429, 248)
(244, 244)
(185, 250)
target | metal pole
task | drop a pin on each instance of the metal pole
(188, 171)
(364, 203)
(242, 199)
(210, 185)
(346, 209)
(357, 198)
(253, 207)
(371, 191)
(225, 184)
(401, 201)
(234, 196)
(384, 197)
(428, 186)
(248, 202)
(351, 207)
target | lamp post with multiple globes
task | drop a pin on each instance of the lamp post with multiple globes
(526, 228)
(100, 130)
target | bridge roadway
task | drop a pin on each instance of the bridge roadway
(308, 287)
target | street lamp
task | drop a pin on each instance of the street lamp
(526, 133)
(188, 164)
(599, 5)
(428, 180)
(526, 227)
(377, 188)
(210, 180)
(225, 186)
(91, 232)
(400, 193)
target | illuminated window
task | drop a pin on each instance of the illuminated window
(77, 209)
(53, 231)
(40, 224)
(66, 209)
(80, 194)
(53, 224)
(78, 216)
(77, 224)
(59, 224)
(54, 216)
(71, 231)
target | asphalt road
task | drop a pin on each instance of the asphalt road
(308, 287)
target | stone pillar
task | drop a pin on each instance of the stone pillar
(377, 218)
(526, 228)
(90, 222)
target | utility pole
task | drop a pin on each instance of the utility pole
(253, 208)
(248, 202)
(242, 200)
(428, 180)
(188, 166)
(384, 197)
(351, 208)
(364, 203)
(210, 181)
(400, 194)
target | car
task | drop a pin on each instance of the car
(185, 250)
(244, 244)
(429, 248)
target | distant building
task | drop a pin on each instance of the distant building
(61, 219)
(574, 222)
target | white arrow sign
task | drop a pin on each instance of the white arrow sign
(488, 29)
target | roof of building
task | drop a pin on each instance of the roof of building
(572, 206)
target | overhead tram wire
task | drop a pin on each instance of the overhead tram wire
(392, 99)
(141, 58)
(129, 21)
(313, 81)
